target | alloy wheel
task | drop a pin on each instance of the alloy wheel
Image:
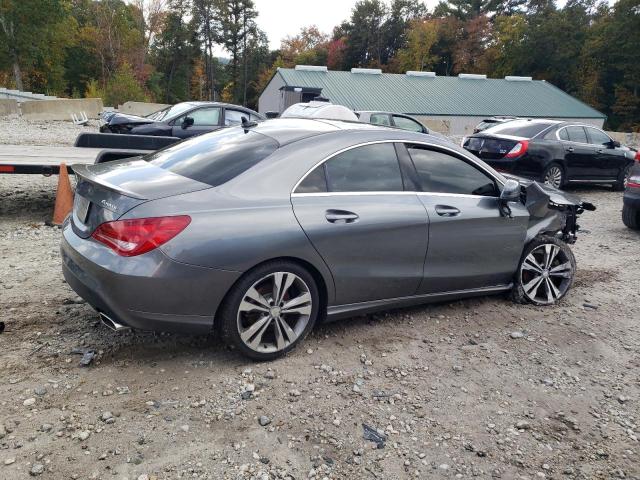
(274, 312)
(553, 177)
(546, 274)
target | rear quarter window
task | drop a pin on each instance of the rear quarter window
(217, 157)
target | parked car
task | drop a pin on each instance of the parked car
(388, 119)
(181, 120)
(262, 231)
(491, 122)
(320, 108)
(631, 199)
(554, 152)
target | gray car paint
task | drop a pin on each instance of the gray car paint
(254, 218)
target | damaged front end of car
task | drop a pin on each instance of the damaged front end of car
(552, 211)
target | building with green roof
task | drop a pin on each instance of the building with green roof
(452, 105)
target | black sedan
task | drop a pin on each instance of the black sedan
(181, 120)
(554, 152)
(631, 205)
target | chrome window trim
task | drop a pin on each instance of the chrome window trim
(410, 192)
(571, 141)
(455, 153)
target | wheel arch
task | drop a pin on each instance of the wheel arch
(323, 286)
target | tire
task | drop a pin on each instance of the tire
(631, 217)
(252, 321)
(557, 280)
(623, 176)
(554, 175)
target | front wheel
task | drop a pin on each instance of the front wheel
(270, 310)
(631, 217)
(545, 273)
(554, 176)
(623, 179)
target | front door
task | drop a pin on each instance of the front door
(371, 233)
(609, 161)
(205, 120)
(580, 157)
(471, 245)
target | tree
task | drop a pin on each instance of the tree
(123, 87)
(421, 38)
(401, 16)
(364, 34)
(469, 9)
(29, 31)
(238, 23)
(207, 19)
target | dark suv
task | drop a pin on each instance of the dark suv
(631, 206)
(553, 152)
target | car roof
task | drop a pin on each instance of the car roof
(197, 103)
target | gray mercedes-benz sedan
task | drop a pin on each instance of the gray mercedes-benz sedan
(262, 230)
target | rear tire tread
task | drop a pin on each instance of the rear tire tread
(631, 217)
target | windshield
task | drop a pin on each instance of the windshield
(169, 112)
(519, 128)
(217, 157)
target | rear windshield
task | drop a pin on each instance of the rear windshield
(217, 157)
(524, 129)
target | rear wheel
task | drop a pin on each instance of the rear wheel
(631, 217)
(554, 175)
(270, 310)
(546, 272)
(623, 178)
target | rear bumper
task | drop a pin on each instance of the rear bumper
(148, 292)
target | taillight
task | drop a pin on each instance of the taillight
(140, 235)
(518, 149)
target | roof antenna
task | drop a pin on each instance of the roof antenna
(246, 123)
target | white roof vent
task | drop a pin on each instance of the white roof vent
(367, 71)
(311, 68)
(512, 78)
(412, 73)
(472, 76)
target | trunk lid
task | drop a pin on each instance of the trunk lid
(490, 147)
(106, 191)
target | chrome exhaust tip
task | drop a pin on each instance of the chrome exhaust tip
(112, 324)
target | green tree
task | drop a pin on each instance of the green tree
(421, 38)
(123, 87)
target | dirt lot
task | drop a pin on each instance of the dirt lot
(478, 388)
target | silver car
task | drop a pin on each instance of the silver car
(261, 231)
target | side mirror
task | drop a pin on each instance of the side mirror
(187, 122)
(271, 115)
(615, 144)
(510, 191)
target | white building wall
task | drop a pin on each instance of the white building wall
(269, 101)
(464, 125)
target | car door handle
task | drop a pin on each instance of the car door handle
(569, 149)
(340, 216)
(447, 211)
(599, 150)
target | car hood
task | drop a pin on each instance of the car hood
(124, 119)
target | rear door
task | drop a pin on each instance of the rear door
(370, 231)
(580, 157)
(471, 245)
(205, 119)
(609, 161)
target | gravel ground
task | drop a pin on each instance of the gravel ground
(479, 388)
(15, 130)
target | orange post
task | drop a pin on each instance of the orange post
(64, 196)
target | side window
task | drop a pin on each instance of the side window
(577, 134)
(562, 134)
(443, 173)
(380, 119)
(407, 124)
(254, 118)
(598, 137)
(203, 117)
(234, 117)
(370, 168)
(315, 182)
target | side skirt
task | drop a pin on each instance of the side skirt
(337, 312)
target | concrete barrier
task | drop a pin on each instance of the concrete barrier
(631, 139)
(61, 109)
(8, 106)
(141, 108)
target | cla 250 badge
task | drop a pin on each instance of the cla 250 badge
(108, 205)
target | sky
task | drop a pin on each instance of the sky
(279, 18)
